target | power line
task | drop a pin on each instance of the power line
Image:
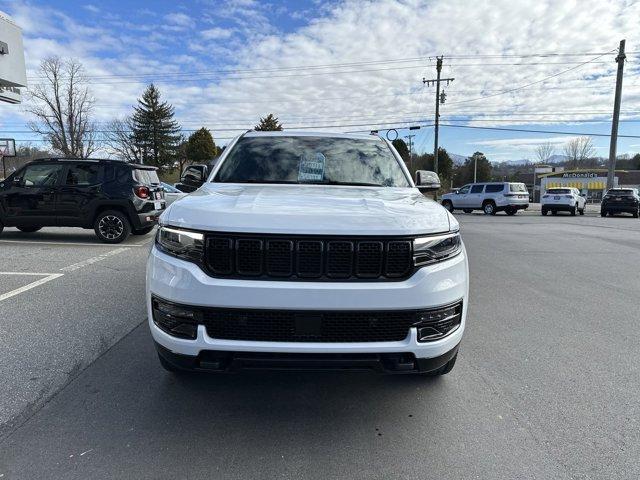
(532, 83)
(583, 134)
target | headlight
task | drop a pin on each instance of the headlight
(428, 250)
(184, 244)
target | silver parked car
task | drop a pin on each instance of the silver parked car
(171, 194)
(490, 197)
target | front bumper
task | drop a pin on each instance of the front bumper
(183, 282)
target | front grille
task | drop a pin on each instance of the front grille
(328, 326)
(308, 258)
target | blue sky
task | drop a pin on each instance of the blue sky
(351, 65)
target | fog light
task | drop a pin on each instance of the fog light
(436, 324)
(176, 320)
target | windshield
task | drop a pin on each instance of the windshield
(558, 191)
(517, 187)
(312, 160)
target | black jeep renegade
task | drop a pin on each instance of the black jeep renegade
(112, 197)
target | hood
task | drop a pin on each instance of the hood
(309, 209)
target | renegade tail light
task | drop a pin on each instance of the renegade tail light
(428, 250)
(142, 191)
(184, 244)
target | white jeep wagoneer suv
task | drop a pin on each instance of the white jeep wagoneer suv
(308, 250)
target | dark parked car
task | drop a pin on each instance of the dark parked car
(112, 197)
(621, 200)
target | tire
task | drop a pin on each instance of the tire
(544, 212)
(443, 370)
(636, 214)
(28, 229)
(448, 205)
(581, 211)
(468, 210)
(1, 227)
(112, 226)
(142, 231)
(511, 211)
(603, 213)
(489, 208)
(573, 211)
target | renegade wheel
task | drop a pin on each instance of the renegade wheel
(29, 229)
(142, 231)
(544, 212)
(511, 211)
(489, 208)
(112, 227)
(468, 210)
(448, 205)
(443, 370)
(573, 211)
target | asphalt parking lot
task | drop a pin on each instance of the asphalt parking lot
(546, 386)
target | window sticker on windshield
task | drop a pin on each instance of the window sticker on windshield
(311, 167)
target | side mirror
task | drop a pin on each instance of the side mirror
(17, 181)
(427, 181)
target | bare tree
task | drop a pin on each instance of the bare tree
(119, 140)
(61, 103)
(579, 150)
(544, 151)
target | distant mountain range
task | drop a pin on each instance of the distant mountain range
(460, 159)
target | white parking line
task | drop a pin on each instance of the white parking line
(92, 260)
(72, 243)
(47, 278)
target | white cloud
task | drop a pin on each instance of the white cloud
(216, 33)
(178, 19)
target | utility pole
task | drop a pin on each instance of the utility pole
(439, 99)
(613, 146)
(475, 168)
(410, 137)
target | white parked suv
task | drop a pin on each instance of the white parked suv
(490, 197)
(564, 199)
(308, 250)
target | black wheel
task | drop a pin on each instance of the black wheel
(448, 205)
(573, 210)
(544, 212)
(112, 226)
(443, 370)
(581, 210)
(603, 213)
(142, 231)
(1, 227)
(636, 214)
(28, 229)
(489, 208)
(510, 211)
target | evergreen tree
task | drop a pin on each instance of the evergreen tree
(269, 123)
(401, 146)
(155, 132)
(200, 147)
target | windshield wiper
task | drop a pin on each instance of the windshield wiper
(336, 182)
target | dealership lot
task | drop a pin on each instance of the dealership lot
(546, 385)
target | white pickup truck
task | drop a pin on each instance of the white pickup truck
(308, 250)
